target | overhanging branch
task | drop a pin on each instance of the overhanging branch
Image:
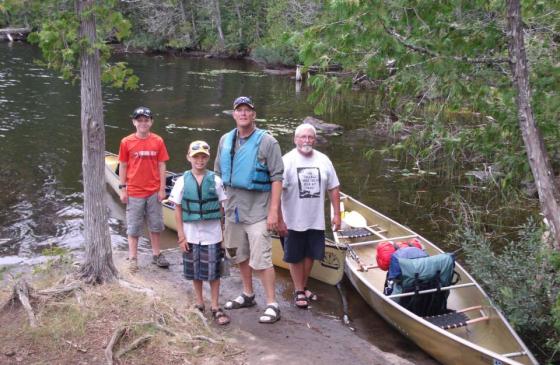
(402, 40)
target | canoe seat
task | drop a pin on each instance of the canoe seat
(355, 233)
(449, 320)
(455, 319)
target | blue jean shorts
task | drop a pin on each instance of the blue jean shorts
(140, 209)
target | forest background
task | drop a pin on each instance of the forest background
(444, 96)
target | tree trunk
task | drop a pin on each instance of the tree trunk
(536, 150)
(98, 266)
(240, 22)
(218, 19)
(196, 40)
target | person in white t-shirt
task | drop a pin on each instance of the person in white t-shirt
(308, 176)
(198, 197)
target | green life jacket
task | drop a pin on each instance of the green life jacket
(200, 202)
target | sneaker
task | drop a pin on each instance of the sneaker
(160, 260)
(133, 265)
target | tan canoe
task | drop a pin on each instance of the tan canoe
(488, 339)
(330, 270)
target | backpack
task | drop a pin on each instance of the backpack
(385, 250)
(432, 272)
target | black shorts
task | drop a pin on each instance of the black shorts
(299, 245)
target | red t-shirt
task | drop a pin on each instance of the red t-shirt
(142, 157)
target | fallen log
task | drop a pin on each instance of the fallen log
(14, 34)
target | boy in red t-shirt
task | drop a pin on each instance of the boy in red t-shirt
(142, 157)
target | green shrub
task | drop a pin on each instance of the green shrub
(521, 276)
(281, 55)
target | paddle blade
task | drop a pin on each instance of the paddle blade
(355, 219)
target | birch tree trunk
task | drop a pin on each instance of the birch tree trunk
(536, 150)
(98, 266)
(218, 19)
(240, 21)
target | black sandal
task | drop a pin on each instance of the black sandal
(242, 301)
(300, 300)
(220, 317)
(271, 314)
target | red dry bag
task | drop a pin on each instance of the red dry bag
(386, 249)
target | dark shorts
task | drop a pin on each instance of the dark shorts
(202, 262)
(299, 245)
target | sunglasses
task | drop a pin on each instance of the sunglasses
(200, 146)
(142, 111)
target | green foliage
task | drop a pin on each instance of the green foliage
(60, 43)
(435, 62)
(276, 55)
(521, 277)
(3, 270)
(19, 13)
(58, 257)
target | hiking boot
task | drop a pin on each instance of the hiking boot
(133, 265)
(160, 260)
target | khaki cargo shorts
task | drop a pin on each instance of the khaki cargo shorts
(249, 241)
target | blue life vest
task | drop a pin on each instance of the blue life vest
(200, 202)
(242, 169)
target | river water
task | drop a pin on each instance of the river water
(40, 142)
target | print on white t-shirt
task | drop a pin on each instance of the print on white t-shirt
(309, 182)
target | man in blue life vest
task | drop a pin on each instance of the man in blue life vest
(249, 162)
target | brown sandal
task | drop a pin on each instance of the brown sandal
(220, 317)
(199, 307)
(300, 300)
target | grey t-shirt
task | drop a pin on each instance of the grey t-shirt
(249, 206)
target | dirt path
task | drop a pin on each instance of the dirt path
(300, 337)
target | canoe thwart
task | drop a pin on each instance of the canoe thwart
(374, 242)
(354, 233)
(515, 354)
(365, 268)
(466, 285)
(453, 320)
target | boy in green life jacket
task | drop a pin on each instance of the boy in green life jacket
(198, 197)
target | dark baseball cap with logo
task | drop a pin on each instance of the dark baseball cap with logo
(243, 100)
(142, 110)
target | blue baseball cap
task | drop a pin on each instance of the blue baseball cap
(243, 100)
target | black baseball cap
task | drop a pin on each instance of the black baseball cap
(243, 100)
(142, 110)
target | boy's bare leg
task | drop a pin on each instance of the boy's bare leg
(155, 241)
(132, 246)
(197, 286)
(215, 293)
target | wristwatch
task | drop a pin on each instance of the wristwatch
(122, 186)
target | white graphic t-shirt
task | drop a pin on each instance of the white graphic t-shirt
(306, 180)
